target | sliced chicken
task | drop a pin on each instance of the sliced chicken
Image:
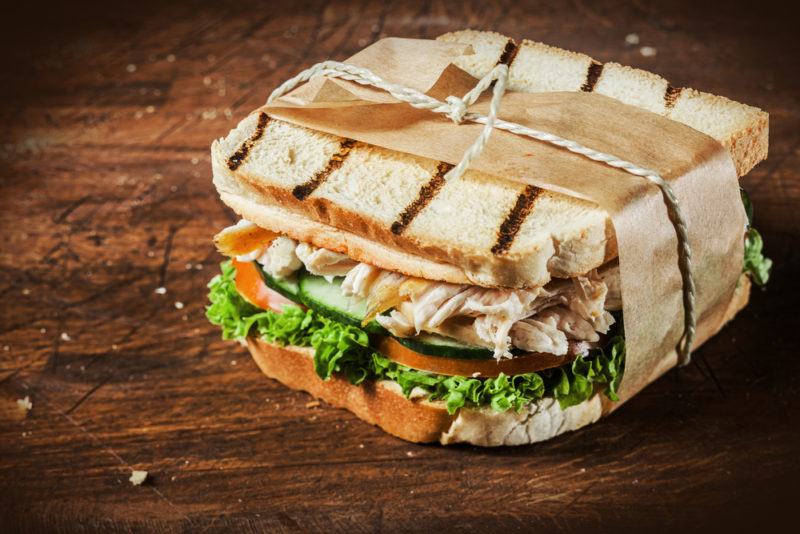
(539, 336)
(324, 262)
(548, 319)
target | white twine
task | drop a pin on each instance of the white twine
(456, 109)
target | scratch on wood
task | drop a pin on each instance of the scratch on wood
(86, 396)
(162, 276)
(72, 207)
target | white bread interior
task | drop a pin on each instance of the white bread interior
(420, 420)
(560, 237)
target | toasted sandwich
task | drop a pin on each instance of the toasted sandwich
(475, 310)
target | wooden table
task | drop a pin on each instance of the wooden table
(108, 114)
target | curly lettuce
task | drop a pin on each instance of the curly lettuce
(345, 350)
(756, 265)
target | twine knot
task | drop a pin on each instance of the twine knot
(458, 108)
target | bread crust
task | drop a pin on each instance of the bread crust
(300, 228)
(419, 420)
(378, 403)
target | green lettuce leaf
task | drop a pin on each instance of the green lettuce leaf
(756, 265)
(345, 350)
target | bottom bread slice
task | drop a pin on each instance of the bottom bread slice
(417, 419)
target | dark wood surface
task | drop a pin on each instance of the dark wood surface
(105, 195)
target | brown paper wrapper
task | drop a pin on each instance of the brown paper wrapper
(698, 168)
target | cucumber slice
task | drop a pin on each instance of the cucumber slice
(288, 287)
(327, 298)
(435, 345)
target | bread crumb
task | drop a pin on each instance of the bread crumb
(161, 290)
(131, 67)
(648, 51)
(632, 39)
(178, 305)
(312, 404)
(138, 477)
(25, 404)
(65, 337)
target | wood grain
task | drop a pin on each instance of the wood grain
(108, 113)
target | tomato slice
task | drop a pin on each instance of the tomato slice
(251, 286)
(524, 363)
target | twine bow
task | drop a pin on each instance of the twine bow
(457, 110)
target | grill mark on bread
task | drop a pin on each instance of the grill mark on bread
(238, 157)
(302, 191)
(671, 95)
(426, 194)
(509, 53)
(592, 75)
(513, 222)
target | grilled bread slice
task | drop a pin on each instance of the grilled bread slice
(492, 232)
(742, 129)
(495, 232)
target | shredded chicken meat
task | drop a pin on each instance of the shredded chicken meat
(554, 319)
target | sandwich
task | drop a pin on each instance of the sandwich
(476, 310)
